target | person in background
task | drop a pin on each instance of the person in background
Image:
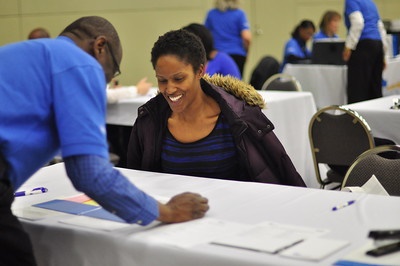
(230, 29)
(217, 62)
(204, 126)
(296, 50)
(329, 25)
(364, 50)
(116, 92)
(38, 33)
(117, 135)
(60, 103)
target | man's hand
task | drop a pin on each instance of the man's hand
(183, 207)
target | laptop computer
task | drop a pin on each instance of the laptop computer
(327, 52)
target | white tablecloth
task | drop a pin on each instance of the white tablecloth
(328, 83)
(384, 122)
(290, 112)
(235, 202)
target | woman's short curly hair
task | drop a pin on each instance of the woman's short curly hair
(181, 43)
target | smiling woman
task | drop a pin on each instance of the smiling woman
(205, 126)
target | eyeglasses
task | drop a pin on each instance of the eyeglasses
(116, 65)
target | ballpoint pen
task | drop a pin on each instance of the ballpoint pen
(38, 190)
(341, 206)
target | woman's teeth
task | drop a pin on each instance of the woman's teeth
(176, 98)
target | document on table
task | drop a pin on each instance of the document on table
(269, 237)
(34, 213)
(85, 213)
(314, 249)
(188, 234)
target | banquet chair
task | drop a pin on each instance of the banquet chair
(282, 82)
(386, 169)
(266, 67)
(337, 136)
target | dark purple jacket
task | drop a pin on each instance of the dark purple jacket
(262, 156)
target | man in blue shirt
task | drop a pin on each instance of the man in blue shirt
(364, 50)
(52, 97)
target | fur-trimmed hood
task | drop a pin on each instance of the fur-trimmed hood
(238, 88)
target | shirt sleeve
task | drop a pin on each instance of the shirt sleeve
(244, 23)
(96, 177)
(382, 32)
(355, 30)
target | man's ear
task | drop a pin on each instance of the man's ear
(99, 45)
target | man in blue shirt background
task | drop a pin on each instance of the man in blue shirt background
(364, 50)
(52, 97)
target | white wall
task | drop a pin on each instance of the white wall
(140, 22)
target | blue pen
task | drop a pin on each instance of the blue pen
(38, 190)
(338, 207)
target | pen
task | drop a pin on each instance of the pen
(338, 207)
(38, 190)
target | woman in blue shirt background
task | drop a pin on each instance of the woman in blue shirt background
(296, 50)
(329, 25)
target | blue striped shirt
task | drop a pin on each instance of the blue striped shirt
(212, 156)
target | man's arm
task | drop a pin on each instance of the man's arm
(96, 177)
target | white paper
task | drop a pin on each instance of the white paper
(314, 249)
(94, 223)
(269, 237)
(188, 234)
(34, 213)
(372, 186)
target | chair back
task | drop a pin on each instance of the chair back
(337, 136)
(386, 169)
(266, 67)
(282, 82)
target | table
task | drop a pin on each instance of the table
(124, 112)
(290, 112)
(384, 122)
(328, 83)
(244, 203)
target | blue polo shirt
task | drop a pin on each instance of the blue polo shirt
(321, 35)
(52, 99)
(52, 96)
(226, 28)
(223, 64)
(370, 14)
(297, 48)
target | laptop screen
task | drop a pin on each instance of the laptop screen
(328, 52)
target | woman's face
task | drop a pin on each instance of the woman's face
(178, 82)
(306, 33)
(333, 26)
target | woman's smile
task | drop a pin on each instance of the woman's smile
(175, 98)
